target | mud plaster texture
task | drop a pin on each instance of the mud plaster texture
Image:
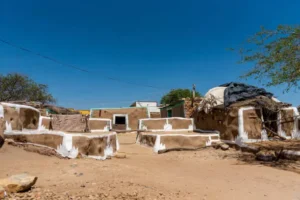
(94, 146)
(154, 124)
(97, 124)
(68, 123)
(46, 122)
(155, 115)
(23, 118)
(134, 114)
(226, 122)
(172, 141)
(180, 123)
(253, 123)
(89, 146)
(49, 140)
(287, 121)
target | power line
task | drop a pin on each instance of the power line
(74, 67)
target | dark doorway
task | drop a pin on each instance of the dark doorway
(120, 120)
(170, 113)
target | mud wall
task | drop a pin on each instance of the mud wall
(95, 146)
(287, 122)
(177, 111)
(134, 114)
(99, 125)
(70, 145)
(166, 124)
(253, 123)
(154, 115)
(49, 140)
(163, 113)
(18, 117)
(69, 123)
(226, 122)
(176, 141)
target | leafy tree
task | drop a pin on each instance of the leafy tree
(15, 87)
(275, 55)
(177, 94)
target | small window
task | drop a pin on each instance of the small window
(120, 120)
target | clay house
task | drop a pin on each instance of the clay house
(152, 106)
(122, 118)
(242, 112)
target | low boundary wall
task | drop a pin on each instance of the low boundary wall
(167, 124)
(173, 141)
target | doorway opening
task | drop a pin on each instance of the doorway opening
(120, 120)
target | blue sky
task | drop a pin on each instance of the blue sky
(167, 44)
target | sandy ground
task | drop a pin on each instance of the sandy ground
(204, 174)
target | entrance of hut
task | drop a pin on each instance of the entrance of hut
(120, 122)
(270, 121)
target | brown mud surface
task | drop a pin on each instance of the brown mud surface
(204, 174)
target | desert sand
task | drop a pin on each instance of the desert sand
(204, 174)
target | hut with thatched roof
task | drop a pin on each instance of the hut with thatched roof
(243, 112)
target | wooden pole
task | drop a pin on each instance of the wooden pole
(194, 94)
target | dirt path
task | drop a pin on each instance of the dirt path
(206, 174)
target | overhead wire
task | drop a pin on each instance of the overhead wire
(75, 67)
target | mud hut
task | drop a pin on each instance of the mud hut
(243, 112)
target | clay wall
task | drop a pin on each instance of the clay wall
(253, 123)
(226, 122)
(287, 121)
(160, 124)
(134, 114)
(95, 124)
(20, 117)
(69, 123)
(154, 115)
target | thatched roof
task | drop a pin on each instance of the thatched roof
(261, 102)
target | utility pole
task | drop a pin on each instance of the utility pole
(194, 94)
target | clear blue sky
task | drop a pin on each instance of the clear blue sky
(164, 43)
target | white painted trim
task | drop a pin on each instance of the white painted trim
(167, 126)
(295, 131)
(18, 106)
(1, 111)
(167, 118)
(185, 135)
(66, 149)
(243, 136)
(122, 115)
(106, 128)
(160, 146)
(41, 127)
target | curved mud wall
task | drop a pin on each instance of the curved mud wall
(232, 123)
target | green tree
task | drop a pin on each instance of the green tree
(15, 87)
(275, 55)
(176, 94)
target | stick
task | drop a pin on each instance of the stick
(283, 138)
(179, 149)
